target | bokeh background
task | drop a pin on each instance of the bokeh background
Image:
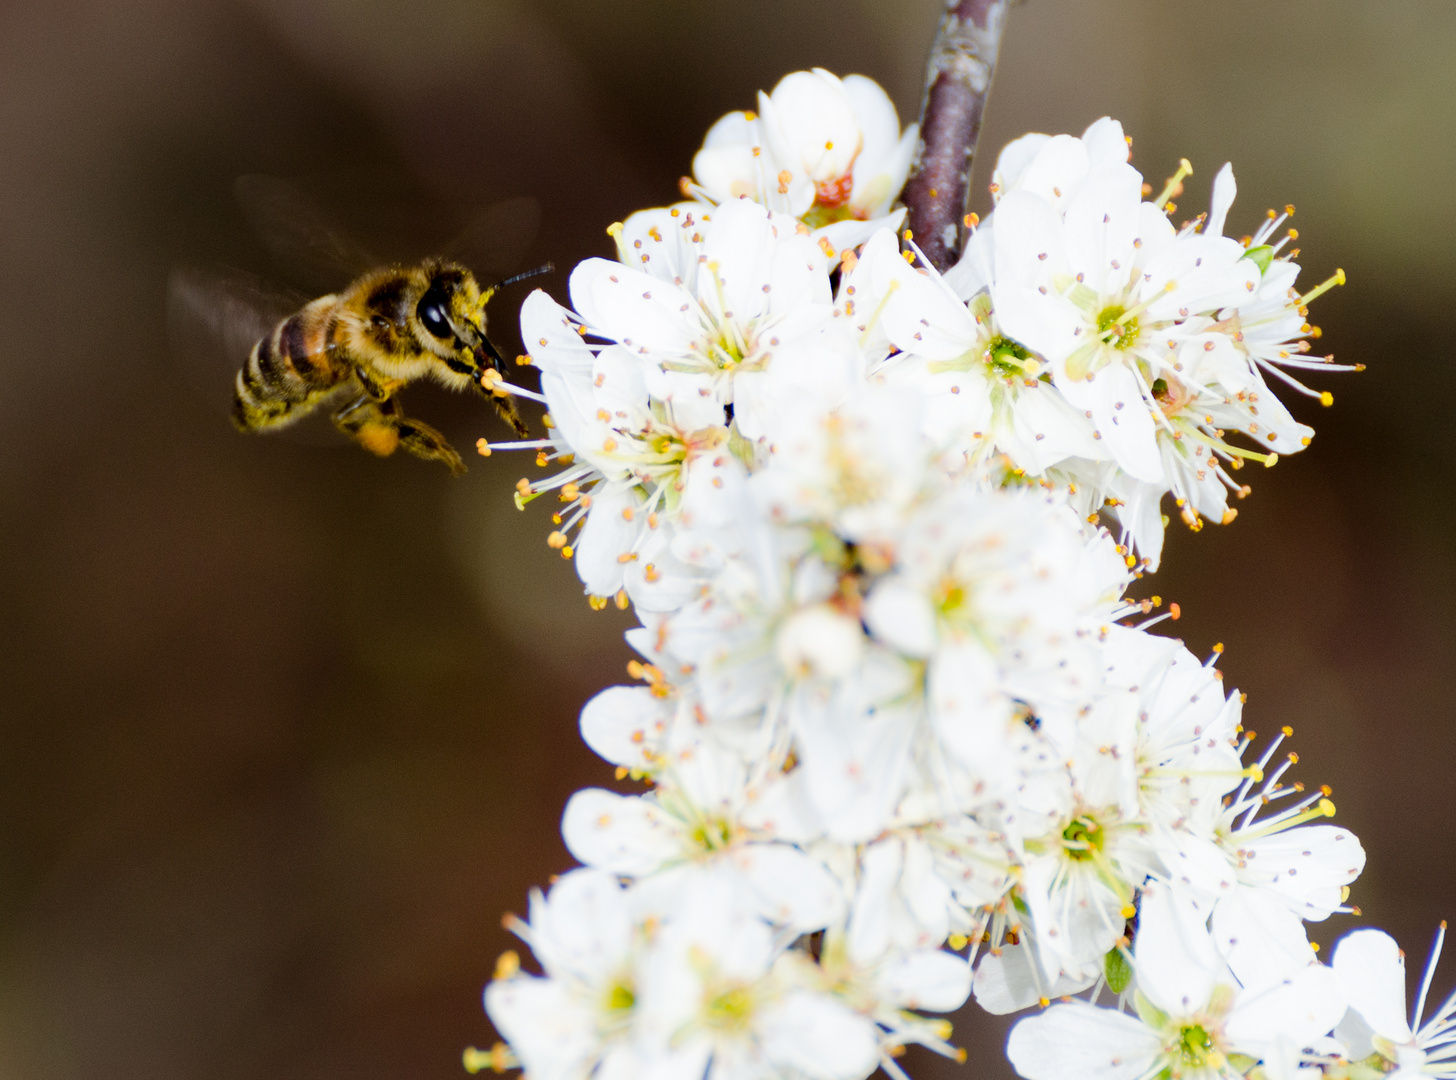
(285, 729)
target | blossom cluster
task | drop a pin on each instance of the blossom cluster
(899, 736)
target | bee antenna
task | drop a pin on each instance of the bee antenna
(545, 268)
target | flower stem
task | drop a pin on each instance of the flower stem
(957, 80)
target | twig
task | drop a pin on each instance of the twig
(957, 80)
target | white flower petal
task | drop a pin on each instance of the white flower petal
(930, 979)
(1301, 1009)
(1224, 192)
(1177, 963)
(1371, 971)
(622, 721)
(1078, 1041)
(626, 834)
(815, 1036)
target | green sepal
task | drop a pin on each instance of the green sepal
(1261, 257)
(1149, 1013)
(1117, 970)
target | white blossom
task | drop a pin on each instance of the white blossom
(896, 734)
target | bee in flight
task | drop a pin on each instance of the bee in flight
(352, 351)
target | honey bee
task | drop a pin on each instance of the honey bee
(352, 351)
(355, 349)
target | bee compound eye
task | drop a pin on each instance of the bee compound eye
(431, 313)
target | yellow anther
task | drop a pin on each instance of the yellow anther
(958, 941)
(507, 965)
(1128, 911)
(568, 551)
(556, 540)
(1043, 1002)
(1218, 648)
(482, 447)
(497, 1059)
(1288, 731)
(972, 220)
(596, 603)
(1326, 398)
(1254, 773)
(621, 600)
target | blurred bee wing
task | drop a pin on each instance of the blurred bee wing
(214, 318)
(307, 246)
(495, 243)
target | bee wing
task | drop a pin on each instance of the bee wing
(306, 244)
(496, 241)
(214, 318)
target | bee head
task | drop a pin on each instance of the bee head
(451, 317)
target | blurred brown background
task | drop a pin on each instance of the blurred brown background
(286, 729)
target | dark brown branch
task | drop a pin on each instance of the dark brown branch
(957, 80)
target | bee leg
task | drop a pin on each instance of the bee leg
(502, 402)
(381, 428)
(507, 408)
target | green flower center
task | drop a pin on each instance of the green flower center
(731, 1009)
(1006, 357)
(620, 997)
(712, 835)
(1083, 839)
(1194, 1046)
(1119, 334)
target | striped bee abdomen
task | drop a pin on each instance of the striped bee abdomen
(288, 371)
